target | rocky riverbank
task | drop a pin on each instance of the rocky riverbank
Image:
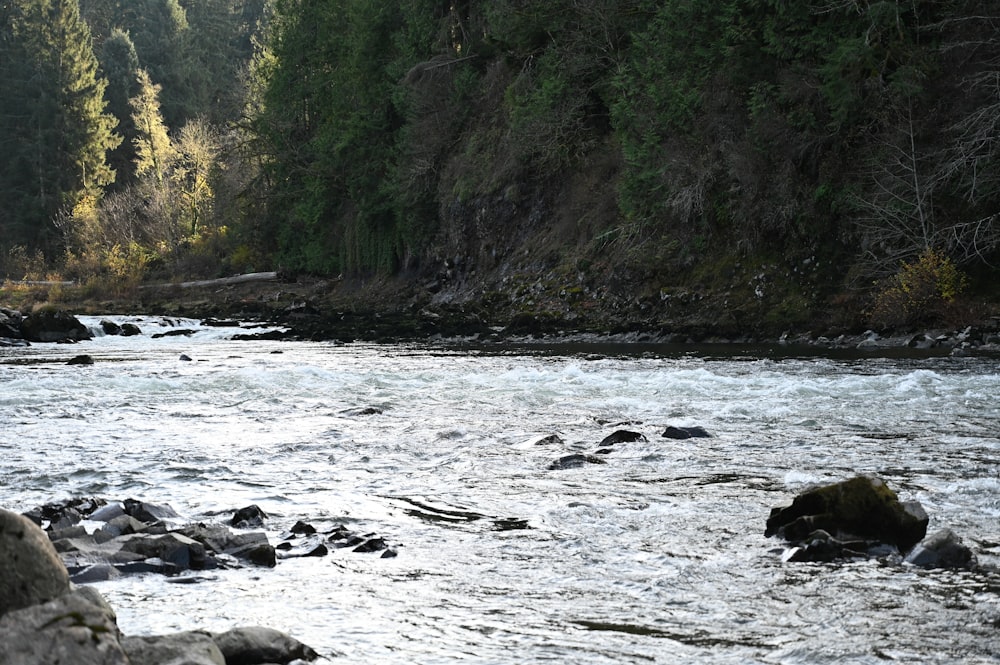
(384, 311)
(45, 618)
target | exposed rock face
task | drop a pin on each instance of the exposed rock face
(30, 569)
(848, 518)
(54, 325)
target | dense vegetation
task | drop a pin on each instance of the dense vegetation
(781, 152)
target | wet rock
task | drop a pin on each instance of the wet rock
(301, 547)
(301, 527)
(150, 512)
(175, 549)
(110, 327)
(371, 545)
(621, 436)
(108, 512)
(820, 546)
(253, 645)
(188, 648)
(574, 461)
(31, 571)
(130, 330)
(685, 433)
(54, 325)
(98, 572)
(10, 324)
(83, 359)
(248, 546)
(71, 628)
(179, 332)
(251, 517)
(862, 508)
(943, 549)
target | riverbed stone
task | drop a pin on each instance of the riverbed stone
(943, 549)
(54, 325)
(574, 461)
(150, 512)
(680, 433)
(188, 648)
(31, 571)
(253, 645)
(250, 517)
(71, 628)
(10, 324)
(861, 508)
(622, 436)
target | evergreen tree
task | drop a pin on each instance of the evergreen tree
(55, 129)
(120, 66)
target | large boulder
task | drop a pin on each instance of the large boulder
(252, 645)
(73, 628)
(860, 509)
(31, 571)
(54, 325)
(188, 648)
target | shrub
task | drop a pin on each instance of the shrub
(921, 290)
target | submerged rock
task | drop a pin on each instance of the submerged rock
(862, 508)
(574, 461)
(621, 436)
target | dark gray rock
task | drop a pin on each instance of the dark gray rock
(31, 571)
(188, 648)
(685, 433)
(862, 508)
(72, 628)
(150, 512)
(621, 436)
(172, 548)
(108, 512)
(254, 645)
(943, 549)
(311, 545)
(574, 461)
(251, 517)
(10, 324)
(110, 327)
(83, 359)
(54, 325)
(130, 329)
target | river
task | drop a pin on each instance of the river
(658, 555)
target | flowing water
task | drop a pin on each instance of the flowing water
(656, 556)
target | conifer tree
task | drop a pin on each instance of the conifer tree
(55, 130)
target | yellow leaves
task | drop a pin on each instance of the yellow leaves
(919, 289)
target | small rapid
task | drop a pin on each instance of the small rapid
(657, 555)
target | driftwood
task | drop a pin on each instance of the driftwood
(222, 281)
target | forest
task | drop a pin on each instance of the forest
(787, 161)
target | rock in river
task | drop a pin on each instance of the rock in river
(30, 569)
(858, 513)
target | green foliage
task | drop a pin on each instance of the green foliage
(53, 127)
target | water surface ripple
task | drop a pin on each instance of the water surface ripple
(656, 556)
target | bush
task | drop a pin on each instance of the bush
(920, 291)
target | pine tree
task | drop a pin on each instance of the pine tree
(120, 66)
(55, 128)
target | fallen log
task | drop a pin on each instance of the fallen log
(221, 281)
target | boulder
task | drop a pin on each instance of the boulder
(30, 569)
(251, 517)
(574, 461)
(150, 512)
(252, 645)
(862, 508)
(54, 325)
(110, 327)
(130, 329)
(621, 436)
(685, 433)
(10, 324)
(172, 548)
(83, 359)
(943, 549)
(188, 648)
(72, 628)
